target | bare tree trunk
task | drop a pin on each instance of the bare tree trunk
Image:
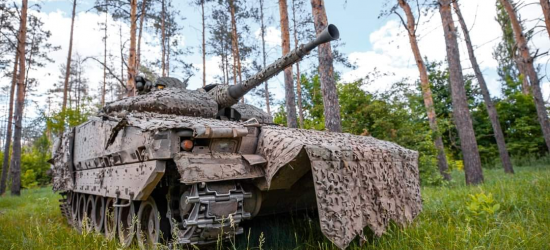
(525, 88)
(545, 4)
(203, 46)
(121, 55)
(104, 60)
(141, 19)
(168, 39)
(461, 113)
(493, 116)
(7, 143)
(68, 67)
(235, 36)
(298, 83)
(132, 58)
(163, 38)
(326, 71)
(262, 30)
(527, 62)
(15, 166)
(426, 91)
(78, 86)
(289, 83)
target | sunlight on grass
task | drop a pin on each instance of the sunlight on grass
(507, 212)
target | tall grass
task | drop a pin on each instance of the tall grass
(449, 220)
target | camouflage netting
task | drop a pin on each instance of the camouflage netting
(174, 101)
(151, 122)
(248, 111)
(62, 158)
(359, 181)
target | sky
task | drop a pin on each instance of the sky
(370, 42)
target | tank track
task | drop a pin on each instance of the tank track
(65, 206)
(199, 214)
(208, 211)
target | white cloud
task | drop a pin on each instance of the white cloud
(272, 36)
(391, 52)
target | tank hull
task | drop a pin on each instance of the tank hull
(234, 171)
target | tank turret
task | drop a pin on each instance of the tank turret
(169, 96)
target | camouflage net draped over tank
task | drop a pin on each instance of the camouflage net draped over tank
(359, 181)
(62, 167)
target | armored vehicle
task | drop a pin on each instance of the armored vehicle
(178, 166)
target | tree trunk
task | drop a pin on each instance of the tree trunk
(7, 143)
(461, 113)
(545, 4)
(121, 56)
(235, 36)
(141, 19)
(426, 91)
(262, 30)
(530, 71)
(15, 166)
(326, 71)
(298, 83)
(493, 116)
(290, 98)
(105, 60)
(168, 37)
(203, 46)
(163, 38)
(132, 58)
(525, 88)
(68, 67)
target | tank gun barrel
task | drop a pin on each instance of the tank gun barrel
(226, 96)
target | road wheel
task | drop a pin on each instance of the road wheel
(98, 215)
(126, 224)
(148, 230)
(110, 221)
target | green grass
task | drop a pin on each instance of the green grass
(522, 221)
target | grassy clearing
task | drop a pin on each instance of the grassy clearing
(517, 217)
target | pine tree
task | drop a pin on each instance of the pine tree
(411, 27)
(461, 113)
(326, 71)
(491, 110)
(15, 165)
(290, 103)
(529, 69)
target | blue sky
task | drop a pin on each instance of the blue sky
(370, 42)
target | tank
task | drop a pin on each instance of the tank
(177, 166)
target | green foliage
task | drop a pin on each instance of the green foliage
(312, 102)
(34, 165)
(71, 117)
(280, 116)
(482, 204)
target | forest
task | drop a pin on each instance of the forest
(475, 131)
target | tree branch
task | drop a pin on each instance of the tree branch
(108, 69)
